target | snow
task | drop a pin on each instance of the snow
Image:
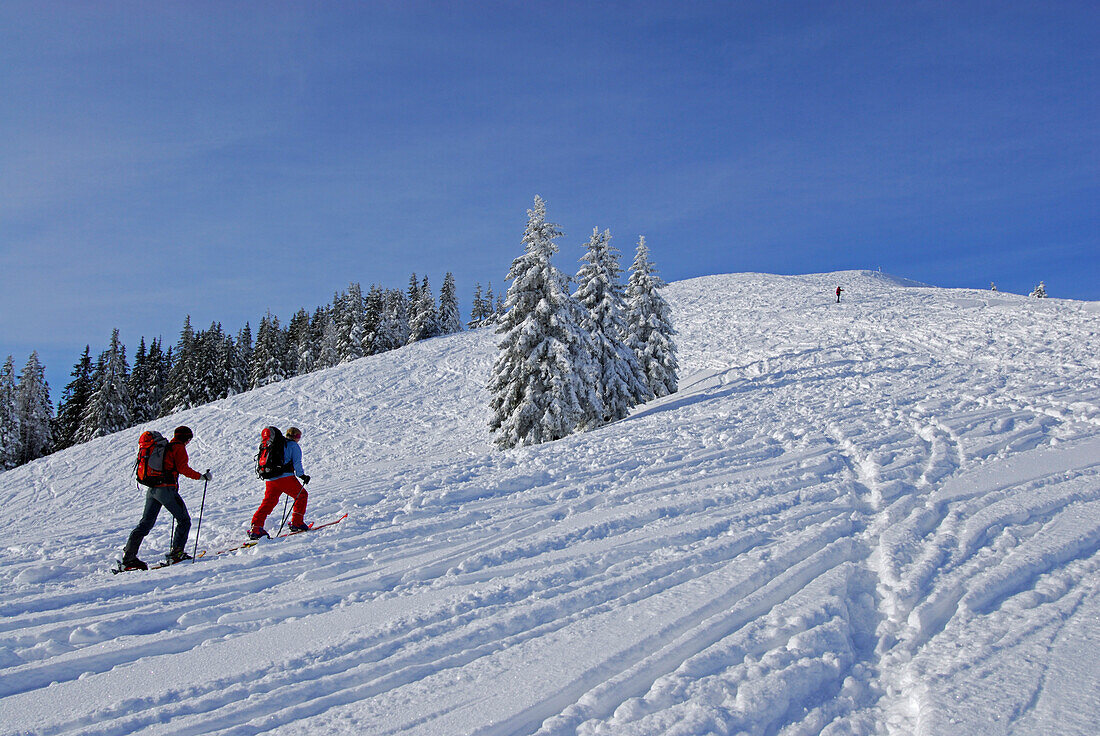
(878, 516)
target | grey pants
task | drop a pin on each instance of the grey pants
(169, 498)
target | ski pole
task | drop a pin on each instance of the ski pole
(286, 515)
(198, 528)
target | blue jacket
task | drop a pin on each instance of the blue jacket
(292, 454)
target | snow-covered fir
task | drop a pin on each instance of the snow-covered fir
(543, 384)
(621, 381)
(649, 327)
(11, 447)
(108, 408)
(33, 411)
(858, 518)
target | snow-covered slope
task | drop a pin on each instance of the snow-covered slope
(879, 516)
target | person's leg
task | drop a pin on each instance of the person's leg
(298, 511)
(148, 519)
(271, 500)
(169, 497)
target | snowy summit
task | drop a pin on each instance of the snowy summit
(874, 516)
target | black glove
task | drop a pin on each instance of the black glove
(305, 479)
(207, 476)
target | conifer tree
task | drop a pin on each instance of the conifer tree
(477, 308)
(108, 409)
(350, 345)
(541, 383)
(160, 365)
(393, 328)
(309, 348)
(297, 331)
(491, 312)
(449, 320)
(11, 439)
(622, 382)
(235, 367)
(182, 386)
(268, 353)
(141, 386)
(649, 324)
(244, 344)
(74, 401)
(1039, 291)
(423, 317)
(34, 411)
(412, 296)
(328, 353)
(374, 306)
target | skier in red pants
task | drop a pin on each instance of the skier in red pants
(288, 484)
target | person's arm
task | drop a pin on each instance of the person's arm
(182, 464)
(296, 458)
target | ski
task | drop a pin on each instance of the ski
(119, 568)
(254, 542)
(244, 545)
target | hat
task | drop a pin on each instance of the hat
(183, 434)
(293, 433)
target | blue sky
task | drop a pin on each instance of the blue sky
(220, 159)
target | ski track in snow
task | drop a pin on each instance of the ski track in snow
(874, 517)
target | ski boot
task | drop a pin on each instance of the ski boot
(133, 563)
(258, 532)
(177, 555)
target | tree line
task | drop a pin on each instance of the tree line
(568, 361)
(108, 394)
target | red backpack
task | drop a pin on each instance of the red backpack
(270, 459)
(149, 466)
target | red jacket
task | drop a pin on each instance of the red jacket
(175, 462)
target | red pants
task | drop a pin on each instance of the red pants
(275, 488)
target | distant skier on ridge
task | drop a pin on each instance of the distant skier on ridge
(838, 290)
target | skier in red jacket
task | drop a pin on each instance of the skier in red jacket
(838, 290)
(176, 463)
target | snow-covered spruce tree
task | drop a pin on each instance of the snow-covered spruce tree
(34, 410)
(423, 316)
(477, 308)
(181, 389)
(268, 353)
(160, 364)
(297, 331)
(1039, 291)
(450, 321)
(210, 366)
(649, 324)
(11, 440)
(235, 366)
(140, 385)
(374, 307)
(328, 352)
(622, 382)
(244, 344)
(108, 409)
(309, 348)
(74, 400)
(541, 386)
(350, 321)
(393, 328)
(491, 312)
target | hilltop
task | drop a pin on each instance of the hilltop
(878, 516)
